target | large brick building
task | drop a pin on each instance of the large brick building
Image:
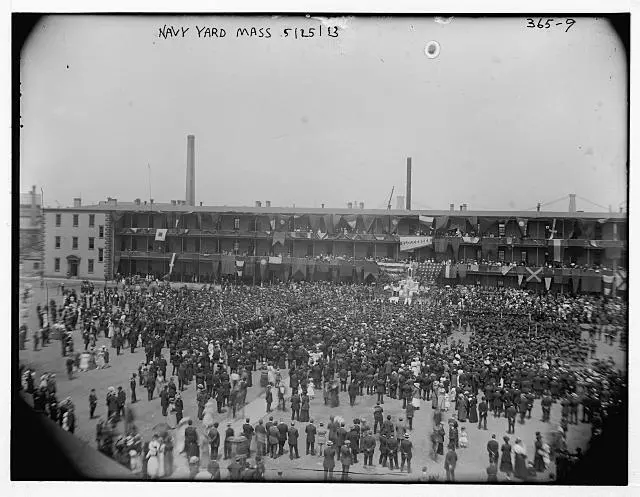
(203, 243)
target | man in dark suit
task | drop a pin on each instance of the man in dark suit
(406, 451)
(329, 460)
(293, 441)
(492, 449)
(191, 441)
(450, 461)
(178, 406)
(311, 430)
(214, 441)
(483, 409)
(368, 448)
(282, 436)
(228, 435)
(164, 400)
(511, 418)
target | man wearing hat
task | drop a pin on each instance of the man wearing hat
(492, 449)
(236, 469)
(406, 448)
(293, 440)
(346, 459)
(311, 431)
(483, 409)
(378, 417)
(228, 435)
(329, 461)
(214, 441)
(392, 452)
(450, 462)
(368, 448)
(248, 431)
(282, 436)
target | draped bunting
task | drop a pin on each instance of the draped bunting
(620, 277)
(450, 271)
(286, 271)
(520, 278)
(558, 245)
(547, 283)
(575, 280)
(322, 267)
(613, 253)
(489, 246)
(486, 223)
(328, 223)
(249, 268)
(522, 224)
(607, 282)
(462, 271)
(311, 270)
(558, 277)
(279, 237)
(314, 221)
(239, 268)
(264, 264)
(215, 267)
(440, 245)
(428, 220)
(228, 264)
(505, 269)
(455, 247)
(591, 282)
(394, 225)
(370, 269)
(458, 223)
(336, 218)
(299, 267)
(585, 229)
(473, 221)
(441, 222)
(346, 269)
(368, 222)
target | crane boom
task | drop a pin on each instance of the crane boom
(390, 197)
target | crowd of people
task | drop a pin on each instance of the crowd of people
(331, 338)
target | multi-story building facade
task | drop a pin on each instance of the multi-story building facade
(30, 234)
(75, 242)
(200, 243)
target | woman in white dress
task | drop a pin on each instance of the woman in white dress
(161, 459)
(311, 390)
(416, 396)
(451, 397)
(153, 467)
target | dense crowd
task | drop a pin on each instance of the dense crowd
(523, 346)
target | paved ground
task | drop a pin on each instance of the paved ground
(472, 461)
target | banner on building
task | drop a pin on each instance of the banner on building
(173, 260)
(534, 274)
(557, 250)
(409, 243)
(547, 283)
(161, 235)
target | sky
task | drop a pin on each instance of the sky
(504, 117)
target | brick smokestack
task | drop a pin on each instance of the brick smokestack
(191, 170)
(408, 183)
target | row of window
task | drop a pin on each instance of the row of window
(90, 265)
(74, 243)
(76, 221)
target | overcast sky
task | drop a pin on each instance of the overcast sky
(506, 116)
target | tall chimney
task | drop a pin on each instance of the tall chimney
(34, 206)
(267, 203)
(408, 183)
(572, 202)
(400, 205)
(77, 202)
(191, 170)
(452, 207)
